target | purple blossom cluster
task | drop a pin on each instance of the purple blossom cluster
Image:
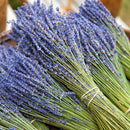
(98, 14)
(53, 44)
(28, 85)
(96, 43)
(7, 107)
(50, 33)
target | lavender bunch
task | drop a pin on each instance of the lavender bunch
(96, 12)
(39, 125)
(11, 118)
(37, 95)
(47, 37)
(100, 54)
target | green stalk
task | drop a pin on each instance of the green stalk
(8, 118)
(16, 122)
(39, 125)
(98, 104)
(123, 44)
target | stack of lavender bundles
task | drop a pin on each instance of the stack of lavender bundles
(37, 95)
(100, 53)
(95, 11)
(48, 37)
(11, 118)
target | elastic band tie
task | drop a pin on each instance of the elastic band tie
(87, 95)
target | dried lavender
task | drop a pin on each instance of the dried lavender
(36, 94)
(100, 53)
(11, 118)
(47, 37)
(96, 12)
(40, 125)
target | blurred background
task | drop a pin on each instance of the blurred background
(125, 12)
(120, 9)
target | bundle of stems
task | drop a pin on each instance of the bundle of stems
(100, 53)
(96, 12)
(37, 95)
(11, 118)
(47, 37)
(39, 125)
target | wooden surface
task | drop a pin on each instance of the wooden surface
(5, 38)
(3, 12)
(114, 6)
